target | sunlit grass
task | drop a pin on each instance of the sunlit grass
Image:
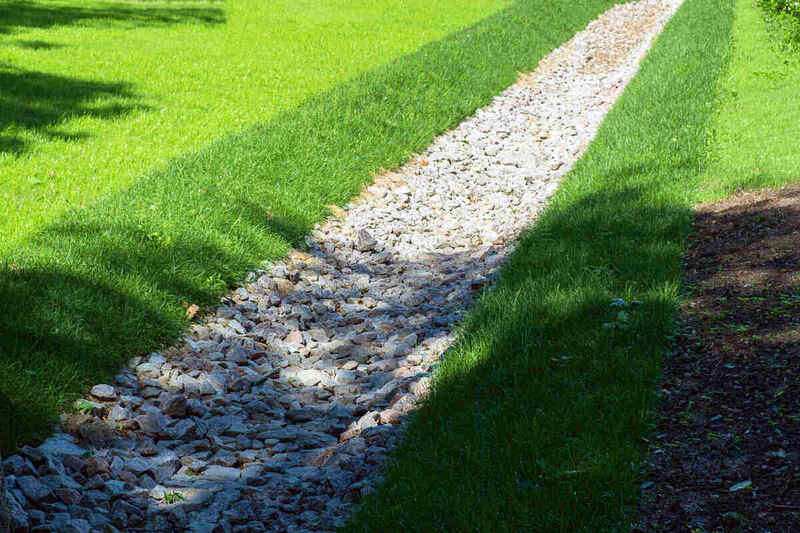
(755, 138)
(94, 94)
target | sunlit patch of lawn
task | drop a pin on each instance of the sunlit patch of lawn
(95, 93)
(755, 141)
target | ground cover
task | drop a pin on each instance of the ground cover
(784, 17)
(109, 281)
(536, 416)
(94, 94)
(722, 456)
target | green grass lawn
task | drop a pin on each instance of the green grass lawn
(96, 284)
(537, 415)
(94, 94)
(756, 131)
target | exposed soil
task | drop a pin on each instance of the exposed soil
(724, 456)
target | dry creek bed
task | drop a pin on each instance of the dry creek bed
(277, 412)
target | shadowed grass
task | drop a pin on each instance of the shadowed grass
(537, 414)
(36, 101)
(107, 282)
(18, 15)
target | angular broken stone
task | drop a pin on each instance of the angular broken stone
(365, 241)
(295, 337)
(148, 370)
(118, 414)
(104, 392)
(150, 424)
(33, 489)
(421, 387)
(174, 406)
(300, 415)
(284, 287)
(221, 473)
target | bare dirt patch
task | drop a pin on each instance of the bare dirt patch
(724, 456)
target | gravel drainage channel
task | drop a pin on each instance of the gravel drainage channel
(277, 412)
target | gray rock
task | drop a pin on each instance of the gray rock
(148, 371)
(150, 424)
(174, 406)
(421, 386)
(220, 473)
(16, 514)
(365, 241)
(138, 465)
(300, 415)
(294, 337)
(124, 515)
(184, 430)
(219, 381)
(33, 489)
(310, 377)
(188, 384)
(104, 392)
(370, 419)
(60, 445)
(68, 495)
(118, 414)
(19, 466)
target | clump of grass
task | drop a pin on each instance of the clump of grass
(174, 497)
(784, 16)
(84, 406)
(536, 416)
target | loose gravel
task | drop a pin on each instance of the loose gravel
(277, 413)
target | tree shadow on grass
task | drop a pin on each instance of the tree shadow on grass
(539, 400)
(69, 328)
(36, 102)
(35, 44)
(66, 331)
(18, 14)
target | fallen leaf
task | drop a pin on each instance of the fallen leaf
(337, 211)
(191, 311)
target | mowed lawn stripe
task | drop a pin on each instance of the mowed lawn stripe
(754, 134)
(93, 94)
(537, 415)
(108, 281)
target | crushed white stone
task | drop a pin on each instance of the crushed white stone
(277, 413)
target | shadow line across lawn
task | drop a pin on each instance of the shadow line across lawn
(27, 14)
(107, 282)
(37, 102)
